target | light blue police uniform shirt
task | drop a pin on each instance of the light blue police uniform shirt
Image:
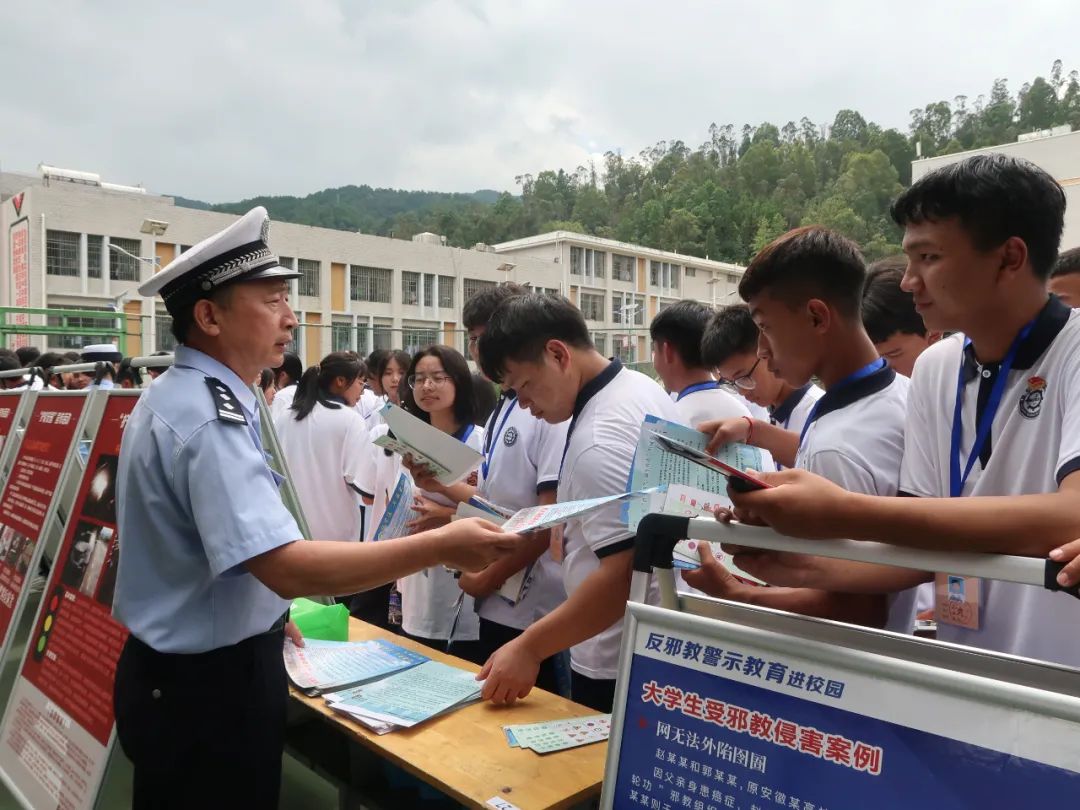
(195, 500)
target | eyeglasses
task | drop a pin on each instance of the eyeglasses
(747, 382)
(420, 380)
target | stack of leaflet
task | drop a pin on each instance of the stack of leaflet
(558, 735)
(408, 698)
(328, 666)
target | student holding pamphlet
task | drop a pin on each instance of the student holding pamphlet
(212, 558)
(804, 291)
(522, 455)
(539, 346)
(994, 412)
(434, 610)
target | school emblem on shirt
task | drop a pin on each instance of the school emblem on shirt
(510, 437)
(1032, 399)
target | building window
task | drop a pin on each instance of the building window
(410, 289)
(94, 246)
(624, 348)
(122, 266)
(74, 340)
(382, 337)
(429, 290)
(341, 337)
(415, 338)
(61, 253)
(628, 309)
(310, 284)
(664, 275)
(592, 306)
(446, 292)
(733, 279)
(587, 262)
(600, 341)
(284, 261)
(164, 340)
(186, 248)
(474, 285)
(546, 290)
(691, 272)
(622, 267)
(370, 284)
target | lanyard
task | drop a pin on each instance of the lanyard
(708, 385)
(957, 480)
(492, 439)
(466, 434)
(862, 373)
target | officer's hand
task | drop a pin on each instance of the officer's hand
(292, 632)
(725, 431)
(472, 544)
(510, 673)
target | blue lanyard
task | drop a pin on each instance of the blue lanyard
(464, 439)
(709, 385)
(492, 439)
(862, 373)
(957, 480)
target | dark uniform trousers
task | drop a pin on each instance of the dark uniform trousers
(204, 730)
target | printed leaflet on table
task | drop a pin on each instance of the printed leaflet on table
(558, 735)
(327, 666)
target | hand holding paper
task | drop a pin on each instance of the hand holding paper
(449, 459)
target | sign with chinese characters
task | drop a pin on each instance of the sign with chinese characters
(58, 726)
(19, 262)
(714, 718)
(9, 404)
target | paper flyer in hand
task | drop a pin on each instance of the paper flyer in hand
(558, 735)
(398, 512)
(451, 460)
(695, 503)
(545, 516)
(327, 666)
(410, 697)
(654, 466)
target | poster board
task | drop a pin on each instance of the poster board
(9, 406)
(58, 728)
(761, 709)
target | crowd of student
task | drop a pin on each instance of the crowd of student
(814, 367)
(111, 369)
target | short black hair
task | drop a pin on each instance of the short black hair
(50, 359)
(183, 315)
(457, 369)
(375, 360)
(480, 307)
(521, 327)
(1068, 263)
(730, 331)
(886, 309)
(995, 197)
(290, 366)
(808, 262)
(28, 354)
(683, 325)
(9, 362)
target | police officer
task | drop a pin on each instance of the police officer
(211, 556)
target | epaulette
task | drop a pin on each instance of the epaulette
(228, 409)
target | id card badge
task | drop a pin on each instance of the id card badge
(557, 547)
(958, 600)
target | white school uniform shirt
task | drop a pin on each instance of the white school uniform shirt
(377, 478)
(1034, 444)
(283, 400)
(429, 597)
(704, 402)
(522, 455)
(792, 413)
(326, 452)
(857, 442)
(368, 405)
(603, 437)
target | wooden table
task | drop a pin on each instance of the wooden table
(465, 755)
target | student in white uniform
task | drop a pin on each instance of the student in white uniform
(890, 317)
(539, 346)
(522, 455)
(676, 354)
(286, 376)
(378, 477)
(729, 345)
(804, 292)
(994, 411)
(325, 441)
(439, 391)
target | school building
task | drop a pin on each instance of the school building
(70, 241)
(1056, 151)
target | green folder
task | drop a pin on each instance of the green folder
(321, 622)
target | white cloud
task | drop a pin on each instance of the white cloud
(226, 100)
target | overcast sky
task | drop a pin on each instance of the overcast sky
(225, 100)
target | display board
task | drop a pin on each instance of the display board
(9, 404)
(58, 728)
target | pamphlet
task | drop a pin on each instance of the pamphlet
(558, 735)
(399, 510)
(328, 666)
(449, 459)
(535, 518)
